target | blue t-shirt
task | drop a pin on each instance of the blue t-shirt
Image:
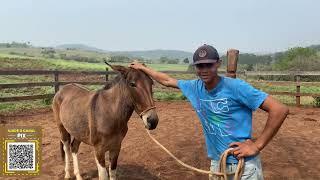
(225, 112)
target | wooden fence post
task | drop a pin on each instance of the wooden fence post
(56, 81)
(298, 90)
(107, 77)
(232, 55)
(245, 75)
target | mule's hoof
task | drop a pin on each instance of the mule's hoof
(79, 178)
(67, 176)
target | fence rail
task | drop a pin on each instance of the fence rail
(280, 73)
(56, 83)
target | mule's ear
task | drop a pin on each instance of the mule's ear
(136, 60)
(121, 69)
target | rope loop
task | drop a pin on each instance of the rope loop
(222, 163)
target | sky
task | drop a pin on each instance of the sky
(116, 25)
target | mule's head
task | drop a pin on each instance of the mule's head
(139, 86)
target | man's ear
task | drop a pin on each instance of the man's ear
(218, 63)
(121, 69)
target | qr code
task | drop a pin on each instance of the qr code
(21, 156)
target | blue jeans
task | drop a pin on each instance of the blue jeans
(252, 169)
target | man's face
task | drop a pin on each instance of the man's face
(207, 71)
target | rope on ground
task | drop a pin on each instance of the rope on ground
(222, 163)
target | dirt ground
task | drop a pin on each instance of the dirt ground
(292, 154)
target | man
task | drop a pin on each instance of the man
(224, 107)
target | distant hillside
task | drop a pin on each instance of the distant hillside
(155, 54)
(79, 47)
(149, 54)
(315, 47)
(85, 53)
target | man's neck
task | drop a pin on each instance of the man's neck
(211, 85)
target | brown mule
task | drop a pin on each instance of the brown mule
(100, 118)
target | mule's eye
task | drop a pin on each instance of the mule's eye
(132, 84)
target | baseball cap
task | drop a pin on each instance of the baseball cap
(205, 54)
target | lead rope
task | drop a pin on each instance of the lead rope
(222, 163)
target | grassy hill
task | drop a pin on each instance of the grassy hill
(8, 61)
(79, 47)
(148, 54)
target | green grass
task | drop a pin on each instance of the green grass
(36, 52)
(291, 88)
(290, 100)
(12, 107)
(168, 96)
(8, 61)
(19, 62)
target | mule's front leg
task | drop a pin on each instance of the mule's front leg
(113, 158)
(100, 160)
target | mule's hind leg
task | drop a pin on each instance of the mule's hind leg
(74, 149)
(113, 158)
(65, 140)
(101, 164)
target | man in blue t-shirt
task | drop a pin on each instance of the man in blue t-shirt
(224, 107)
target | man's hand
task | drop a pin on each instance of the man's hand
(160, 77)
(244, 149)
(136, 65)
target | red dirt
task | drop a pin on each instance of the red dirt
(292, 154)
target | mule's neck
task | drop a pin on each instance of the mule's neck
(122, 99)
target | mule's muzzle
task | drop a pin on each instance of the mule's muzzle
(151, 120)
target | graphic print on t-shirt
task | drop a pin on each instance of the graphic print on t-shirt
(210, 109)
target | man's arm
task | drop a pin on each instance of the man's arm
(160, 77)
(277, 113)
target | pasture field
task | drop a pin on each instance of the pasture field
(292, 154)
(9, 61)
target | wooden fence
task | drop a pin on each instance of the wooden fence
(56, 83)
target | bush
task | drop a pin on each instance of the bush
(47, 101)
(169, 96)
(316, 101)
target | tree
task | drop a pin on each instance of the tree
(163, 59)
(298, 58)
(173, 61)
(186, 60)
(191, 68)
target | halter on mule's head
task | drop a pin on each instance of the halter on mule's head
(139, 86)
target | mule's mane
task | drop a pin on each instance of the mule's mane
(113, 82)
(80, 86)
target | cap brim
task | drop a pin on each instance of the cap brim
(205, 61)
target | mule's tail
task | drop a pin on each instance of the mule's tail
(56, 114)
